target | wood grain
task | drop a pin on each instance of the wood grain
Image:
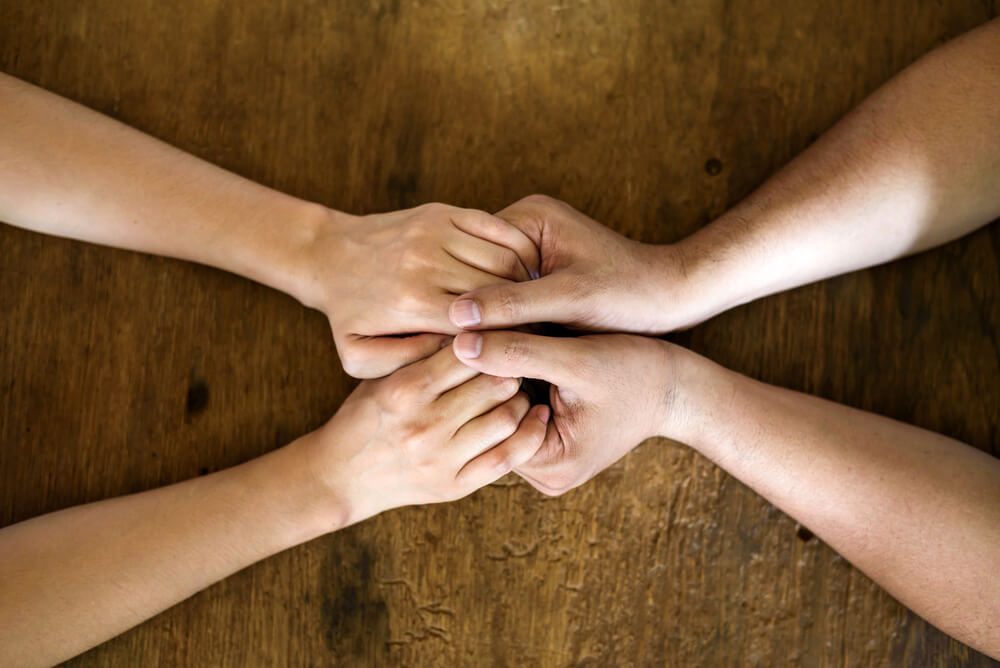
(121, 372)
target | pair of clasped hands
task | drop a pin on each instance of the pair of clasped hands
(428, 312)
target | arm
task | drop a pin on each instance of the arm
(917, 164)
(917, 512)
(434, 431)
(68, 171)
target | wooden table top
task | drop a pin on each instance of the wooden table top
(120, 372)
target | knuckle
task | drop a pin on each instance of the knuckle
(497, 460)
(508, 418)
(410, 301)
(475, 218)
(505, 387)
(501, 462)
(412, 257)
(508, 304)
(424, 380)
(410, 444)
(538, 199)
(432, 214)
(414, 441)
(395, 393)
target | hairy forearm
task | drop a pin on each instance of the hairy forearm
(916, 511)
(69, 171)
(75, 578)
(917, 164)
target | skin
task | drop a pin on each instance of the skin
(899, 175)
(919, 513)
(433, 431)
(68, 171)
(904, 172)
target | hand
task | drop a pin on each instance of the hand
(592, 278)
(385, 281)
(433, 431)
(609, 393)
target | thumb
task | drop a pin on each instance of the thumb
(377, 356)
(517, 355)
(547, 299)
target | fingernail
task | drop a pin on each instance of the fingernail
(543, 414)
(468, 345)
(465, 313)
(534, 275)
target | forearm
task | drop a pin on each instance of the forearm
(69, 171)
(916, 511)
(917, 164)
(72, 579)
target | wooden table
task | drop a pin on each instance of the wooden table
(121, 372)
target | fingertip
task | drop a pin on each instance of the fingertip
(465, 312)
(533, 439)
(543, 412)
(468, 345)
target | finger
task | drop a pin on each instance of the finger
(377, 356)
(545, 460)
(499, 231)
(459, 278)
(492, 258)
(502, 459)
(482, 433)
(474, 398)
(525, 215)
(426, 313)
(439, 373)
(549, 299)
(518, 355)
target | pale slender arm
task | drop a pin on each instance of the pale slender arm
(74, 578)
(68, 171)
(916, 511)
(433, 431)
(917, 164)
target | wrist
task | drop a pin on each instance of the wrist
(717, 267)
(315, 244)
(270, 240)
(327, 506)
(282, 497)
(343, 478)
(686, 293)
(697, 392)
